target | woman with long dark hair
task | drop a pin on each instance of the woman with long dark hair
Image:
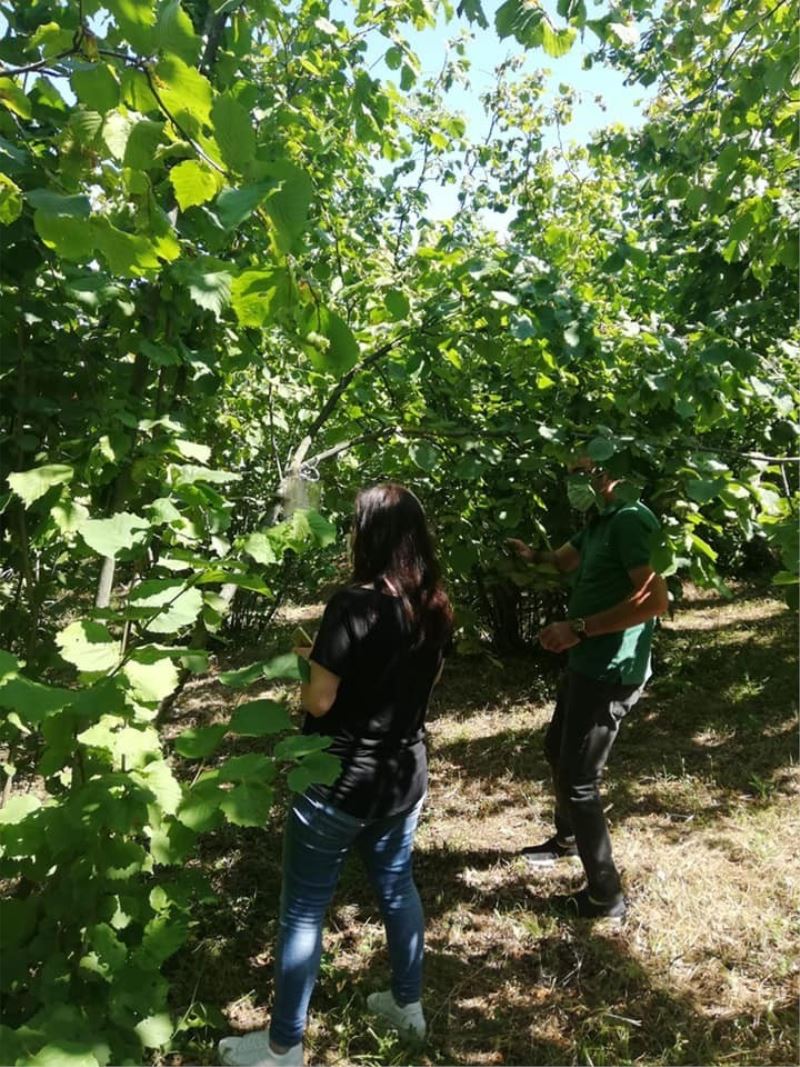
(376, 658)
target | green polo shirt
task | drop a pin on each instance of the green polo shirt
(615, 541)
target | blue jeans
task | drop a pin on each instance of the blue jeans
(317, 839)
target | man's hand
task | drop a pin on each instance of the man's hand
(557, 637)
(302, 651)
(521, 549)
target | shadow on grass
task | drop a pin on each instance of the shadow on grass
(507, 982)
(718, 714)
(548, 991)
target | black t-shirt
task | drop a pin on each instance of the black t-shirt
(377, 721)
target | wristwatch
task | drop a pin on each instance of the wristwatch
(578, 627)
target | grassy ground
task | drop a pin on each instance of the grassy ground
(701, 794)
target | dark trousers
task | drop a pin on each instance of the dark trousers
(579, 738)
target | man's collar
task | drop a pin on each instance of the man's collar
(610, 508)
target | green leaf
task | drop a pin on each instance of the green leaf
(31, 484)
(88, 646)
(194, 183)
(172, 843)
(18, 807)
(322, 531)
(425, 454)
(185, 91)
(397, 304)
(32, 700)
(521, 19)
(702, 546)
(151, 683)
(104, 697)
(343, 351)
(200, 808)
(522, 328)
(701, 490)
(257, 718)
(14, 99)
(179, 606)
(258, 546)
(188, 474)
(162, 783)
(131, 746)
(141, 144)
(233, 132)
(201, 742)
(235, 205)
(10, 200)
(329, 341)
(71, 239)
(209, 286)
(301, 745)
(135, 19)
(51, 39)
(785, 578)
(129, 254)
(318, 768)
(60, 205)
(110, 951)
(108, 537)
(9, 666)
(175, 32)
(96, 86)
(601, 449)
(285, 667)
(69, 516)
(580, 493)
(247, 804)
(63, 1053)
(156, 1030)
(163, 936)
(241, 678)
(256, 295)
(289, 204)
(245, 768)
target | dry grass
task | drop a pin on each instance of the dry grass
(702, 795)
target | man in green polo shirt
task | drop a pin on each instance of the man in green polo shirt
(615, 599)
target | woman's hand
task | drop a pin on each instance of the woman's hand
(304, 651)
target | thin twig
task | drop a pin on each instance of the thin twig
(138, 64)
(40, 64)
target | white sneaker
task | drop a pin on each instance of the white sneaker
(408, 1020)
(253, 1050)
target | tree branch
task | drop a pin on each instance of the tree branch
(215, 27)
(423, 432)
(39, 64)
(133, 61)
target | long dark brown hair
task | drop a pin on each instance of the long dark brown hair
(392, 549)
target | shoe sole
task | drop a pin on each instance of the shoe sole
(546, 865)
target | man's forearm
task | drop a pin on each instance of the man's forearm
(641, 606)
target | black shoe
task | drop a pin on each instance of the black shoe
(548, 853)
(581, 906)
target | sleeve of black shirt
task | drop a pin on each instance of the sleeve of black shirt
(333, 647)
